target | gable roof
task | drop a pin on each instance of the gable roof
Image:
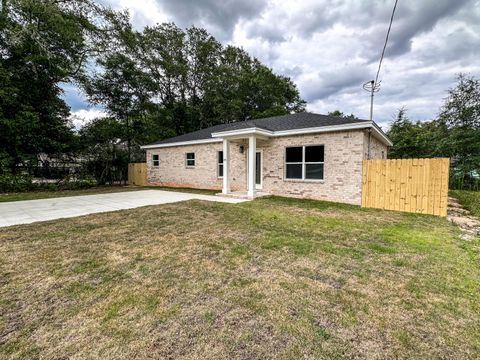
(298, 121)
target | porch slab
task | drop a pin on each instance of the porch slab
(243, 195)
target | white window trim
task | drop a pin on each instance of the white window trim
(219, 163)
(303, 163)
(194, 160)
(158, 160)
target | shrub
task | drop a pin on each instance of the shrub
(15, 183)
(22, 183)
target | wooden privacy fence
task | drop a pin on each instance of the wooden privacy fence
(412, 185)
(137, 174)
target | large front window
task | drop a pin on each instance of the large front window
(304, 162)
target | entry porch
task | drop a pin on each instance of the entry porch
(250, 140)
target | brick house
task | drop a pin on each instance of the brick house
(302, 155)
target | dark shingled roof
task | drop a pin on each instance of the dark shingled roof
(275, 123)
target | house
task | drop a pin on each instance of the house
(301, 155)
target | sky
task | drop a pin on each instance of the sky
(329, 48)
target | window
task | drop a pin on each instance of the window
(155, 160)
(190, 159)
(220, 164)
(304, 162)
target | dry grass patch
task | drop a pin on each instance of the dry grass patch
(273, 278)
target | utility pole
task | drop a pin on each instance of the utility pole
(371, 87)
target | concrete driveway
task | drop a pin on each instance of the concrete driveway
(25, 212)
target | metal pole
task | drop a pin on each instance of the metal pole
(371, 100)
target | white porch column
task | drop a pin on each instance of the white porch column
(252, 149)
(226, 166)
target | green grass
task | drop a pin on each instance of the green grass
(34, 195)
(470, 200)
(271, 278)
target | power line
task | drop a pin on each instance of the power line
(373, 86)
(386, 40)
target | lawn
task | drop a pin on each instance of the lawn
(272, 278)
(33, 195)
(469, 199)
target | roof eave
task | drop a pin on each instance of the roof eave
(218, 136)
(180, 143)
(243, 132)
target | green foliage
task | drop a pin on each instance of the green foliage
(339, 113)
(183, 81)
(43, 43)
(22, 183)
(469, 199)
(15, 183)
(455, 134)
(413, 139)
(105, 151)
(460, 114)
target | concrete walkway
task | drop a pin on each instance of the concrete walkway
(29, 211)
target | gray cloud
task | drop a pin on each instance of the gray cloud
(326, 85)
(330, 47)
(219, 16)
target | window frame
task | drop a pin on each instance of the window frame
(303, 163)
(187, 160)
(220, 163)
(157, 160)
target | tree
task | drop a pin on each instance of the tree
(339, 113)
(123, 88)
(104, 152)
(189, 79)
(165, 81)
(460, 116)
(43, 43)
(413, 139)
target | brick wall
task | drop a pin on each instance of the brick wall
(172, 170)
(378, 150)
(344, 152)
(342, 168)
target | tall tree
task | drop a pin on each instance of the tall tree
(460, 115)
(187, 81)
(413, 139)
(43, 43)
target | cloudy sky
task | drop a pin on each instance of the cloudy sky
(331, 47)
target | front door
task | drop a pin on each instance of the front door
(258, 170)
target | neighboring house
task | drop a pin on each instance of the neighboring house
(302, 155)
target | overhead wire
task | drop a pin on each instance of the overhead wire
(386, 41)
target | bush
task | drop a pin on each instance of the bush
(23, 183)
(15, 183)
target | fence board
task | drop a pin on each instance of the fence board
(411, 185)
(137, 174)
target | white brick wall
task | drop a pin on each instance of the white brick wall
(344, 152)
(173, 172)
